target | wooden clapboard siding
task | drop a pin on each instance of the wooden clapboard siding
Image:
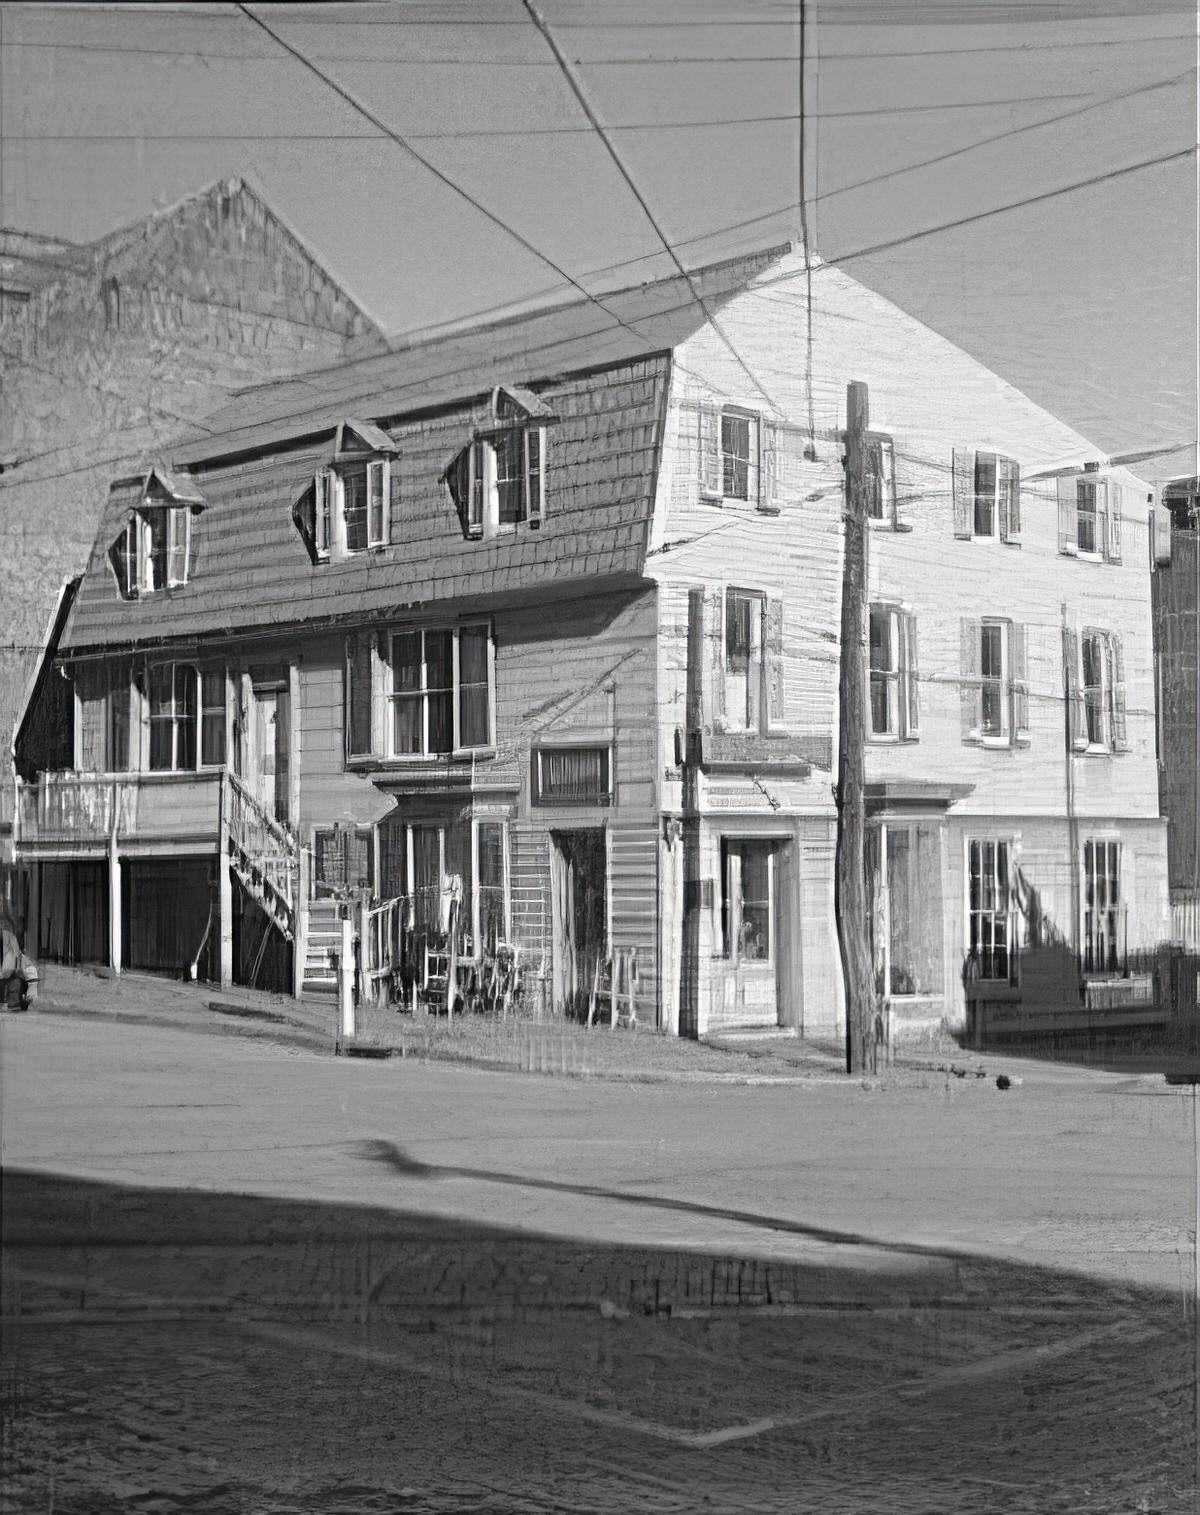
(250, 567)
(91, 692)
(634, 905)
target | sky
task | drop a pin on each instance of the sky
(1020, 175)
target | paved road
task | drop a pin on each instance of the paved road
(245, 1278)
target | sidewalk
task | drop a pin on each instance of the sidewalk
(546, 1047)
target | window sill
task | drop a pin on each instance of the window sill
(888, 739)
(461, 755)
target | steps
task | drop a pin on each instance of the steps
(324, 937)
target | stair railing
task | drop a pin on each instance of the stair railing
(264, 852)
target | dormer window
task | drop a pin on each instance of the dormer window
(498, 481)
(347, 507)
(154, 548)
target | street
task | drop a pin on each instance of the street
(243, 1277)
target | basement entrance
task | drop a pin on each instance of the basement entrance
(579, 911)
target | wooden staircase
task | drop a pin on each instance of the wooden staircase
(263, 854)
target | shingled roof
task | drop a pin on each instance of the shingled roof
(611, 328)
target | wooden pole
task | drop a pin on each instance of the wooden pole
(850, 896)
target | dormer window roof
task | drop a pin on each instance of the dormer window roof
(514, 405)
(162, 487)
(355, 438)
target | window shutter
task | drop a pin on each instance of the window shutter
(177, 543)
(964, 492)
(1116, 674)
(768, 472)
(380, 661)
(969, 687)
(358, 694)
(535, 475)
(378, 503)
(710, 452)
(393, 507)
(1076, 718)
(909, 676)
(715, 634)
(1160, 536)
(1009, 486)
(477, 456)
(123, 558)
(1112, 538)
(891, 503)
(776, 688)
(304, 517)
(1018, 682)
(1068, 513)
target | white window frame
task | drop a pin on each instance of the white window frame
(139, 547)
(901, 675)
(1011, 913)
(1003, 737)
(1108, 690)
(886, 497)
(732, 896)
(484, 464)
(753, 460)
(174, 717)
(758, 652)
(1099, 515)
(330, 507)
(1118, 909)
(393, 696)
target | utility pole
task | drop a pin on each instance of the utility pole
(850, 894)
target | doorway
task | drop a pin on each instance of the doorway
(272, 773)
(579, 890)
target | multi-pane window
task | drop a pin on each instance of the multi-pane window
(739, 446)
(172, 708)
(345, 509)
(1102, 906)
(881, 477)
(990, 916)
(994, 688)
(441, 690)
(153, 550)
(744, 660)
(1089, 516)
(212, 717)
(747, 902)
(456, 876)
(498, 482)
(1098, 705)
(987, 495)
(993, 679)
(895, 708)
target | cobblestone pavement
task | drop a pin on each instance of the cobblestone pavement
(194, 1323)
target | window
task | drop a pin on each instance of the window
(739, 438)
(571, 776)
(994, 687)
(172, 702)
(212, 717)
(153, 550)
(347, 506)
(881, 478)
(1103, 912)
(341, 860)
(987, 496)
(454, 873)
(739, 457)
(744, 660)
(991, 937)
(1098, 721)
(441, 691)
(498, 482)
(1089, 517)
(747, 900)
(895, 710)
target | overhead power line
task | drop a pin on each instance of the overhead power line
(585, 105)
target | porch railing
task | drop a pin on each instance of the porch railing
(88, 809)
(264, 853)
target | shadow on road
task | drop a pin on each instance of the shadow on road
(171, 1350)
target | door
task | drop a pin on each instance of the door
(750, 907)
(272, 775)
(579, 908)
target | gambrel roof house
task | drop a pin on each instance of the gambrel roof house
(542, 618)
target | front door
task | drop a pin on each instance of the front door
(272, 779)
(750, 886)
(579, 915)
